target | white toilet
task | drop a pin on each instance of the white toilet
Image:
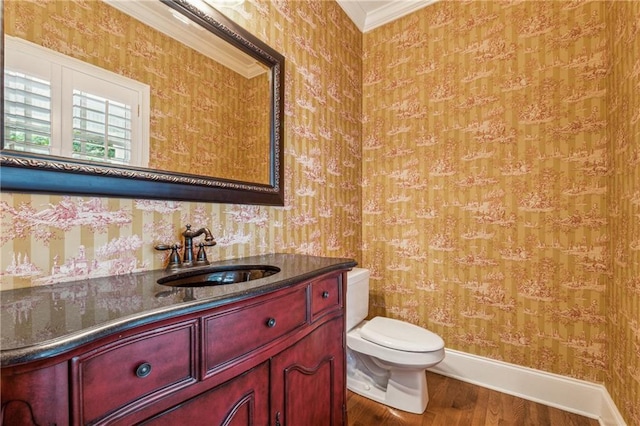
(387, 358)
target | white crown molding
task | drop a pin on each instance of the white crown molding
(568, 394)
(368, 15)
(173, 24)
(354, 10)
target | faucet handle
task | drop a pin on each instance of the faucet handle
(174, 256)
(201, 257)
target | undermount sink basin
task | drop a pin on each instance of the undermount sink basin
(218, 275)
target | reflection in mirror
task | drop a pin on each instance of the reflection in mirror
(185, 98)
(202, 113)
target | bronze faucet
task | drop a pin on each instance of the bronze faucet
(187, 255)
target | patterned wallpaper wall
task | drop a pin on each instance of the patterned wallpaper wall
(254, 122)
(193, 98)
(487, 173)
(55, 238)
(499, 208)
(623, 295)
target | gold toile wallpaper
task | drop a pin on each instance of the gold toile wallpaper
(481, 158)
(623, 125)
(193, 98)
(501, 182)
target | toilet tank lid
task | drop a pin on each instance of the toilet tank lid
(400, 335)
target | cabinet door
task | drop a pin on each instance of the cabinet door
(242, 401)
(308, 379)
(35, 397)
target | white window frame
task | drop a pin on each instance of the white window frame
(66, 74)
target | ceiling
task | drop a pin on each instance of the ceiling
(370, 14)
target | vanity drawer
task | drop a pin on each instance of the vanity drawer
(326, 295)
(133, 371)
(233, 333)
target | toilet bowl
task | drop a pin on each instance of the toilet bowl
(387, 358)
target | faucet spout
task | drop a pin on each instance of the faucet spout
(189, 235)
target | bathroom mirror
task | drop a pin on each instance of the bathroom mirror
(214, 106)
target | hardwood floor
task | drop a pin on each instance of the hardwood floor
(452, 402)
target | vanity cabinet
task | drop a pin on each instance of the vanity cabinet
(271, 359)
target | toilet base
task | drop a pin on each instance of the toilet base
(405, 390)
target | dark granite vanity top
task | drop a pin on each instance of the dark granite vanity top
(40, 322)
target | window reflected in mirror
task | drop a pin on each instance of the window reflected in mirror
(100, 115)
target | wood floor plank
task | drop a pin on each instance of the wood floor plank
(512, 409)
(456, 403)
(559, 417)
(494, 409)
(480, 409)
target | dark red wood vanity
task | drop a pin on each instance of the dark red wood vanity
(271, 354)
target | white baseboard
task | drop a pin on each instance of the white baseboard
(576, 396)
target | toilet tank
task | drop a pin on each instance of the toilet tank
(357, 296)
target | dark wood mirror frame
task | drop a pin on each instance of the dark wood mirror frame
(30, 173)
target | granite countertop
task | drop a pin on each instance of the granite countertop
(45, 321)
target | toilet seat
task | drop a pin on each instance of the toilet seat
(400, 359)
(400, 335)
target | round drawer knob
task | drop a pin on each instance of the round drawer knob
(325, 294)
(271, 322)
(143, 370)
